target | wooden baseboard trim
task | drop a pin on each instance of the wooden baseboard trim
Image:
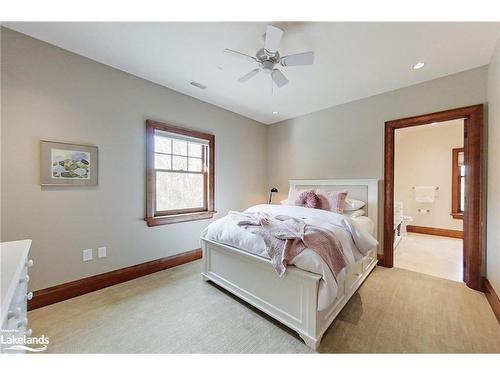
(492, 298)
(76, 288)
(435, 231)
(380, 259)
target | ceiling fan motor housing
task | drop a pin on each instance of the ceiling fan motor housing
(264, 55)
(266, 60)
(268, 57)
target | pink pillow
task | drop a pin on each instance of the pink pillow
(308, 199)
(332, 200)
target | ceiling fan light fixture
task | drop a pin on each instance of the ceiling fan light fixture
(418, 65)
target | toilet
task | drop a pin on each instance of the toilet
(406, 220)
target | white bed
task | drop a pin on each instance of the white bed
(299, 298)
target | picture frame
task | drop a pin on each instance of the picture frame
(68, 164)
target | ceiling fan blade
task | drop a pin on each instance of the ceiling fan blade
(279, 78)
(306, 58)
(273, 38)
(249, 75)
(231, 52)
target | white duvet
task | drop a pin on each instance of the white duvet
(355, 238)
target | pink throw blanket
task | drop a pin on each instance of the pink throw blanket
(286, 237)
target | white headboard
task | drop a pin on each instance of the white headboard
(362, 189)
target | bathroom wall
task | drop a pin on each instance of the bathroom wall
(423, 156)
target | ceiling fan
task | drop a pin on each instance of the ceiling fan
(268, 57)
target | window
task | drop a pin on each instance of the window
(180, 174)
(458, 183)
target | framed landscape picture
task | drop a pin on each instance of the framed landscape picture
(66, 164)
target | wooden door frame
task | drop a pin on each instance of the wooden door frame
(473, 158)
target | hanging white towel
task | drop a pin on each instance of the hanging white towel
(425, 194)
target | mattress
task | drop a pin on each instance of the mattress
(365, 222)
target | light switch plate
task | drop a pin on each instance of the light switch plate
(101, 252)
(87, 255)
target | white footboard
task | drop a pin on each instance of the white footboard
(291, 299)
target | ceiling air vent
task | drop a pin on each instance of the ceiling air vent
(198, 84)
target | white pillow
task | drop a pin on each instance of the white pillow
(356, 213)
(353, 204)
(293, 194)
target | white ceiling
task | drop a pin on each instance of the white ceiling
(352, 60)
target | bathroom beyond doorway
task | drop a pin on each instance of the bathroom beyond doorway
(426, 183)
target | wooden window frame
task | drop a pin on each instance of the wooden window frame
(456, 188)
(153, 217)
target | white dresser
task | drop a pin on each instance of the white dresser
(14, 263)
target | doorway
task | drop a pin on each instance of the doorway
(472, 186)
(429, 199)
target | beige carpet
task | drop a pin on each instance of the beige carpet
(174, 311)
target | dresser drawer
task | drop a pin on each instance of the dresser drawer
(15, 317)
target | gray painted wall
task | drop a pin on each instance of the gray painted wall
(347, 141)
(49, 93)
(493, 223)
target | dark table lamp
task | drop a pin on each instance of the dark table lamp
(273, 190)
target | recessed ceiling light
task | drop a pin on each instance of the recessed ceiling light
(275, 112)
(418, 65)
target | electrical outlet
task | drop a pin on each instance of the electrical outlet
(101, 252)
(87, 255)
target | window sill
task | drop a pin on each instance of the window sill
(457, 215)
(172, 219)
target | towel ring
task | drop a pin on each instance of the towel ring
(437, 187)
